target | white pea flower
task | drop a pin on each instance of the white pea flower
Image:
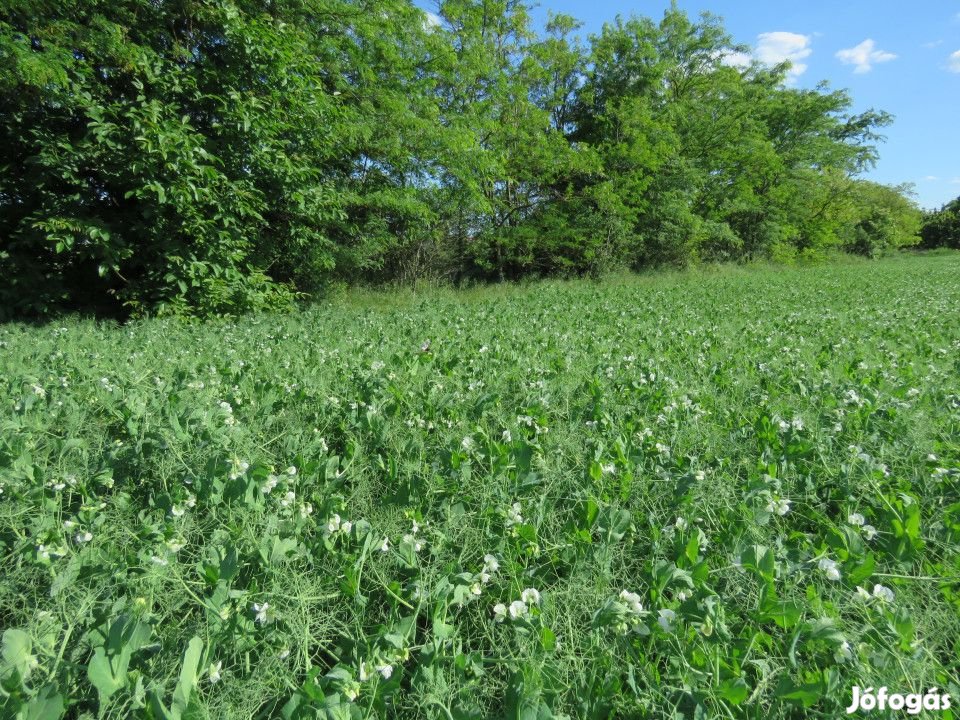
(869, 532)
(862, 594)
(513, 515)
(346, 527)
(778, 506)
(490, 564)
(238, 468)
(882, 592)
(213, 672)
(530, 596)
(856, 519)
(467, 443)
(175, 545)
(83, 537)
(499, 612)
(844, 652)
(666, 619)
(632, 601)
(413, 542)
(506, 436)
(291, 471)
(262, 612)
(517, 609)
(385, 545)
(270, 484)
(385, 671)
(830, 569)
(333, 524)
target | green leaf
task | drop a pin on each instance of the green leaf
(47, 705)
(863, 570)
(734, 691)
(805, 694)
(102, 676)
(614, 523)
(760, 559)
(16, 654)
(904, 626)
(784, 613)
(188, 677)
(548, 640)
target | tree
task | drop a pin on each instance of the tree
(942, 227)
(207, 157)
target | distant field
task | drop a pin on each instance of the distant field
(721, 494)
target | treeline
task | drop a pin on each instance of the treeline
(941, 228)
(210, 156)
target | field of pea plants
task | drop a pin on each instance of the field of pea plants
(719, 494)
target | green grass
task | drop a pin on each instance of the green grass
(649, 430)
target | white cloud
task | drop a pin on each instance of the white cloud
(933, 44)
(864, 56)
(930, 178)
(954, 62)
(774, 48)
(737, 59)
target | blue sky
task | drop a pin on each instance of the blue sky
(902, 57)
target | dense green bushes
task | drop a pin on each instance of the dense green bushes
(942, 228)
(215, 156)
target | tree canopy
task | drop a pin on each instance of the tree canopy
(941, 228)
(216, 156)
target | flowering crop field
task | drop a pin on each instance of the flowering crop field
(723, 494)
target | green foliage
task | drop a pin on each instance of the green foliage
(888, 219)
(723, 493)
(215, 157)
(941, 229)
(201, 157)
